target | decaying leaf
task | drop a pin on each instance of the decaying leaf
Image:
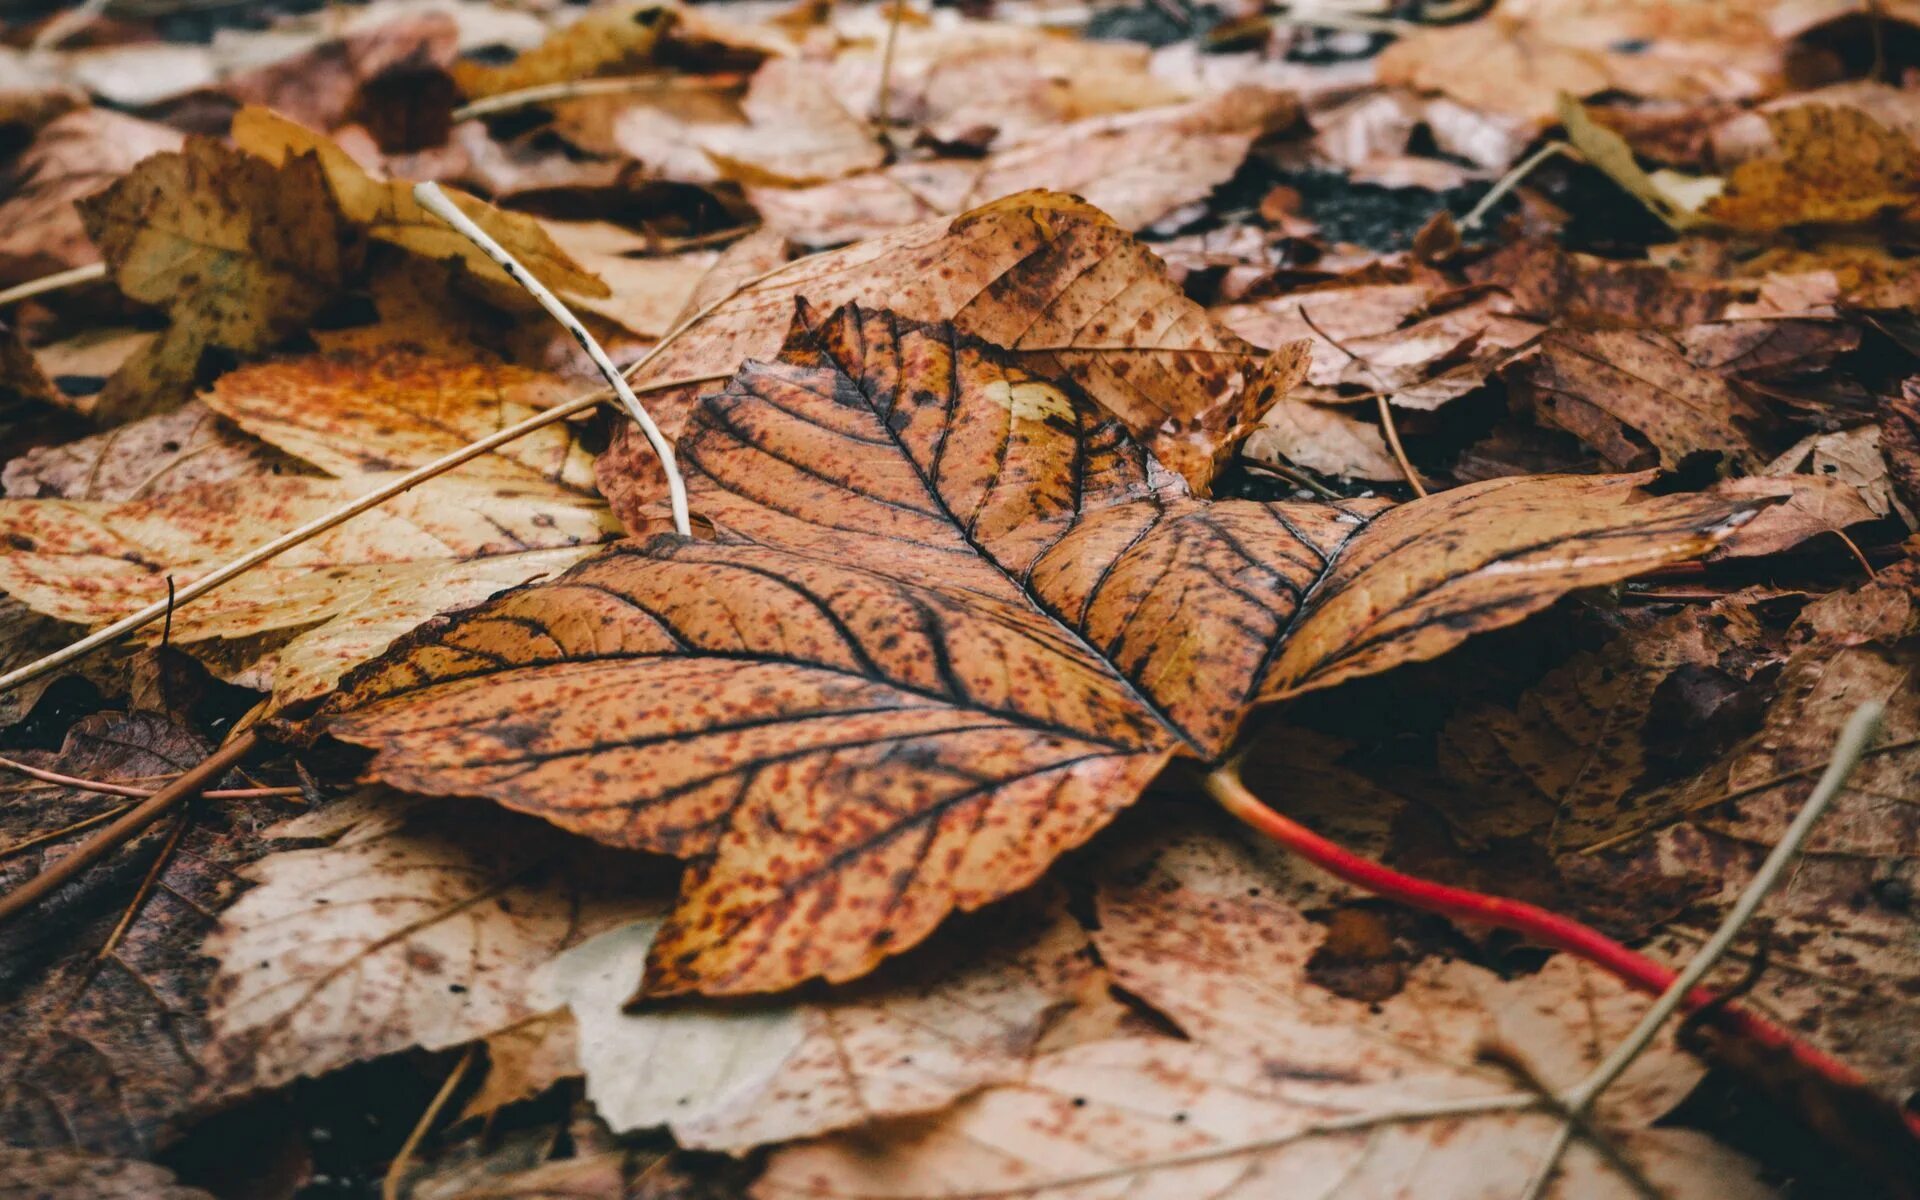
(1321, 438)
(352, 590)
(1137, 168)
(148, 457)
(1049, 278)
(1830, 165)
(238, 251)
(602, 41)
(389, 213)
(724, 1079)
(103, 1053)
(404, 932)
(957, 592)
(71, 157)
(1281, 1081)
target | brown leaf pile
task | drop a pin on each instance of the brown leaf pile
(1070, 405)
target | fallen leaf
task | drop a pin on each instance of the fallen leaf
(1812, 505)
(384, 75)
(65, 1175)
(799, 134)
(1830, 165)
(878, 567)
(71, 157)
(104, 1051)
(149, 457)
(1322, 439)
(1549, 283)
(383, 401)
(389, 213)
(1046, 276)
(525, 1059)
(599, 42)
(1850, 456)
(725, 1079)
(404, 932)
(346, 593)
(1136, 167)
(1900, 443)
(239, 252)
(1633, 397)
(1675, 200)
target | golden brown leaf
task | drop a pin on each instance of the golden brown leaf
(599, 42)
(387, 210)
(958, 593)
(71, 157)
(1048, 277)
(1829, 166)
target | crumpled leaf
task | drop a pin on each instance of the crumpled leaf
(389, 213)
(102, 1055)
(1830, 165)
(1321, 438)
(1136, 167)
(352, 590)
(725, 1079)
(1633, 396)
(955, 591)
(381, 402)
(71, 157)
(1046, 276)
(238, 251)
(65, 1175)
(599, 42)
(149, 457)
(404, 932)
(799, 134)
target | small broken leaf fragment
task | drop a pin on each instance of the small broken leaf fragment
(962, 595)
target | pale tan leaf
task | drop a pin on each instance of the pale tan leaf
(798, 133)
(416, 934)
(72, 156)
(1322, 439)
(154, 455)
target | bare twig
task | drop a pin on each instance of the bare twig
(138, 818)
(435, 201)
(67, 24)
(880, 102)
(1399, 452)
(127, 789)
(576, 89)
(1506, 183)
(1579, 1099)
(53, 283)
(396, 1171)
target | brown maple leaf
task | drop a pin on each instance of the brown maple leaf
(954, 620)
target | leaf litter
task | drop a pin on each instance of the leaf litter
(1485, 437)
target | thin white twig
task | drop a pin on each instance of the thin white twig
(54, 282)
(1511, 180)
(880, 101)
(1576, 1101)
(577, 88)
(435, 201)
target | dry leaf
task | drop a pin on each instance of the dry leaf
(799, 133)
(1046, 276)
(71, 157)
(382, 401)
(1812, 505)
(955, 591)
(1321, 439)
(1137, 167)
(143, 458)
(727, 1079)
(405, 932)
(1830, 165)
(389, 213)
(240, 253)
(604, 41)
(102, 1054)
(66, 1175)
(384, 75)
(1633, 396)
(352, 590)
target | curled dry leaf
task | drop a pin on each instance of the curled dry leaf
(239, 252)
(71, 157)
(104, 1052)
(386, 209)
(960, 594)
(149, 457)
(1136, 167)
(67, 1175)
(1633, 396)
(351, 590)
(599, 42)
(731, 1079)
(1321, 439)
(407, 932)
(1048, 277)
(386, 403)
